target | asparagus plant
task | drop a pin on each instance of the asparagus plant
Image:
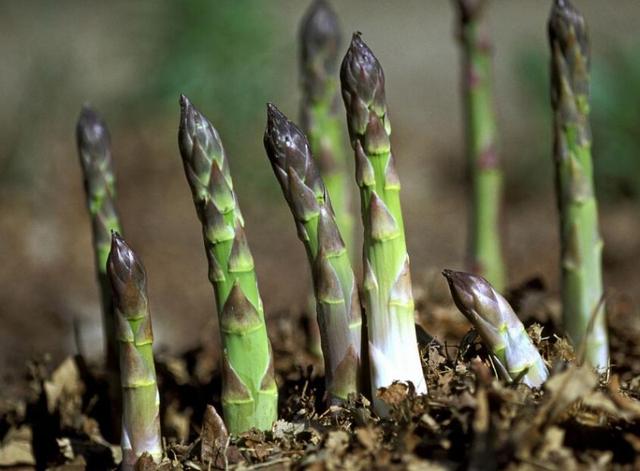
(499, 327)
(141, 400)
(94, 149)
(388, 297)
(320, 40)
(581, 245)
(483, 166)
(338, 305)
(249, 391)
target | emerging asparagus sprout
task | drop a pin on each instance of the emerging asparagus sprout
(338, 305)
(499, 327)
(581, 244)
(94, 149)
(140, 397)
(483, 165)
(249, 391)
(388, 297)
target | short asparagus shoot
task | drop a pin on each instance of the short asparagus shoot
(336, 292)
(388, 297)
(581, 245)
(140, 397)
(249, 391)
(516, 358)
(483, 165)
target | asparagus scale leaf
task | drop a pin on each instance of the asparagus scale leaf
(338, 305)
(581, 245)
(484, 171)
(141, 400)
(249, 391)
(388, 296)
(499, 327)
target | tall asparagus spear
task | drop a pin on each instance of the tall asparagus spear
(141, 400)
(94, 149)
(338, 305)
(320, 39)
(249, 391)
(484, 251)
(581, 244)
(387, 281)
(499, 328)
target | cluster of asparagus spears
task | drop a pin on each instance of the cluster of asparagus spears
(312, 174)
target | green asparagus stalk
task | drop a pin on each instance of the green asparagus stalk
(320, 39)
(388, 297)
(484, 250)
(141, 400)
(499, 327)
(581, 245)
(338, 305)
(249, 391)
(94, 149)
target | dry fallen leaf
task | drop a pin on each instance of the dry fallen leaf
(16, 448)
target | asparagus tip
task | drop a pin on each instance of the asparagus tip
(320, 25)
(361, 73)
(564, 18)
(184, 101)
(123, 263)
(471, 9)
(91, 130)
(280, 130)
(462, 286)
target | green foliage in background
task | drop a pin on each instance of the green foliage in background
(219, 54)
(615, 116)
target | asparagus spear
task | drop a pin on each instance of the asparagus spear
(483, 165)
(581, 245)
(338, 306)
(94, 149)
(249, 391)
(393, 347)
(499, 327)
(320, 40)
(141, 400)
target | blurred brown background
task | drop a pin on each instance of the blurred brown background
(132, 59)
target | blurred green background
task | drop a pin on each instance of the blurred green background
(131, 60)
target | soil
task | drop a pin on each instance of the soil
(468, 420)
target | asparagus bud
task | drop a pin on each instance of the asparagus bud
(249, 392)
(141, 401)
(387, 282)
(483, 165)
(581, 245)
(94, 149)
(499, 327)
(338, 306)
(320, 39)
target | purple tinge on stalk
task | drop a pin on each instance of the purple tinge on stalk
(498, 326)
